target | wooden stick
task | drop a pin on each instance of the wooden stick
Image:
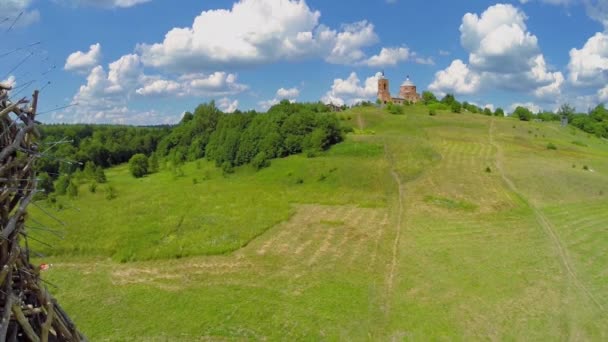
(6, 315)
(25, 324)
(46, 327)
(9, 263)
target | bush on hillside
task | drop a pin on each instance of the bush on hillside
(100, 175)
(72, 190)
(523, 113)
(260, 161)
(138, 165)
(61, 184)
(394, 109)
(110, 193)
(45, 182)
(428, 97)
(448, 99)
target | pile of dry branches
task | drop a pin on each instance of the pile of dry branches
(27, 309)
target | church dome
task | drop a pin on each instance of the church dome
(407, 83)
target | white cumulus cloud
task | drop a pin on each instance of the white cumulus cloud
(534, 108)
(291, 93)
(351, 91)
(498, 40)
(503, 54)
(457, 78)
(389, 57)
(106, 95)
(228, 106)
(589, 65)
(257, 32)
(17, 13)
(159, 88)
(84, 61)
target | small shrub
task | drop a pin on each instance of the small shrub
(432, 112)
(311, 154)
(153, 164)
(138, 165)
(194, 181)
(394, 109)
(322, 177)
(110, 193)
(51, 199)
(72, 190)
(178, 172)
(299, 180)
(488, 170)
(574, 166)
(227, 168)
(550, 146)
(61, 184)
(585, 167)
(260, 161)
(93, 187)
(100, 176)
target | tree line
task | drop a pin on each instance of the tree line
(241, 138)
(595, 121)
(77, 154)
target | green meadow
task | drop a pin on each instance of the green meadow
(416, 227)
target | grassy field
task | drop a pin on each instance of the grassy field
(452, 227)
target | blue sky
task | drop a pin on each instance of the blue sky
(148, 61)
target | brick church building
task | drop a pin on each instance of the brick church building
(407, 92)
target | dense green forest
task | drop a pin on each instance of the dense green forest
(242, 138)
(70, 147)
(78, 153)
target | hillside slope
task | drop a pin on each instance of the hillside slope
(416, 227)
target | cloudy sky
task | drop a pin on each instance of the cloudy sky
(148, 61)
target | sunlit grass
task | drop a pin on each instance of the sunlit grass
(303, 250)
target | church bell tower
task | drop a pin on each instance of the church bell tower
(384, 93)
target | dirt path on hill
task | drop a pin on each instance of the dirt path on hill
(395, 251)
(360, 121)
(544, 222)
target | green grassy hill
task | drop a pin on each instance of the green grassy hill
(419, 227)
